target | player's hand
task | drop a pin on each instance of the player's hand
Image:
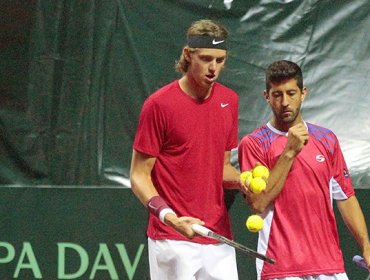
(244, 186)
(297, 139)
(246, 178)
(183, 224)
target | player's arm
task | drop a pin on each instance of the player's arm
(259, 202)
(297, 138)
(353, 217)
(144, 189)
(231, 176)
(140, 176)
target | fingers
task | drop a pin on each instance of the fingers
(255, 180)
(184, 226)
(297, 137)
(245, 189)
(245, 178)
(299, 131)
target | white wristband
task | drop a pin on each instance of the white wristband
(164, 212)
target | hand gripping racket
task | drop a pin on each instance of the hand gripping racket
(201, 230)
(360, 262)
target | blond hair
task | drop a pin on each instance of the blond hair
(200, 27)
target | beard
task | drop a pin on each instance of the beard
(286, 118)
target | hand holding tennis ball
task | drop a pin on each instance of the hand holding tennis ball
(256, 178)
(246, 176)
(254, 223)
(256, 185)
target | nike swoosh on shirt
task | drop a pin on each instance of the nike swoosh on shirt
(223, 105)
(217, 42)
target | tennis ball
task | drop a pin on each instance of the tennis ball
(257, 185)
(246, 175)
(261, 171)
(254, 223)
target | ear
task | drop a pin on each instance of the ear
(304, 93)
(186, 54)
(267, 96)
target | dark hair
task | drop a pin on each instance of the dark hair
(282, 70)
(201, 27)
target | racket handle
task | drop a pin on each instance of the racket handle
(201, 230)
(360, 262)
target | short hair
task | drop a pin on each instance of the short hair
(282, 70)
(200, 27)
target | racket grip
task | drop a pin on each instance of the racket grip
(201, 230)
(360, 262)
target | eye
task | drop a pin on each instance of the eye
(276, 94)
(291, 92)
(206, 58)
(220, 60)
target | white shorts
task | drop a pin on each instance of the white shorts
(338, 276)
(183, 260)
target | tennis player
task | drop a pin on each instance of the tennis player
(181, 159)
(308, 172)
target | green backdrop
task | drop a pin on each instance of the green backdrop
(74, 75)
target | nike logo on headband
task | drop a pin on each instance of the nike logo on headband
(217, 42)
(208, 42)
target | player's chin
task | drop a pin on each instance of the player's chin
(208, 84)
(287, 118)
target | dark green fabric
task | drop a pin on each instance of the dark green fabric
(74, 75)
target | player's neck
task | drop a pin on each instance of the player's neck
(194, 90)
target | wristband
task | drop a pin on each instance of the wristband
(159, 207)
(164, 212)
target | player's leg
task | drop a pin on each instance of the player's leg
(219, 263)
(173, 260)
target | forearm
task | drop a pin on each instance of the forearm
(231, 177)
(140, 177)
(142, 187)
(260, 202)
(354, 219)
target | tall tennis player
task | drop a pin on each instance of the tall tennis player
(181, 160)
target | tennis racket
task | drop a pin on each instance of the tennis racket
(203, 231)
(360, 262)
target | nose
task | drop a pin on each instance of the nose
(212, 65)
(284, 100)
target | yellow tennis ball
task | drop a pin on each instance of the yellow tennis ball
(261, 171)
(254, 223)
(257, 185)
(246, 175)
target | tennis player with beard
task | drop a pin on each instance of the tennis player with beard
(181, 162)
(308, 172)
